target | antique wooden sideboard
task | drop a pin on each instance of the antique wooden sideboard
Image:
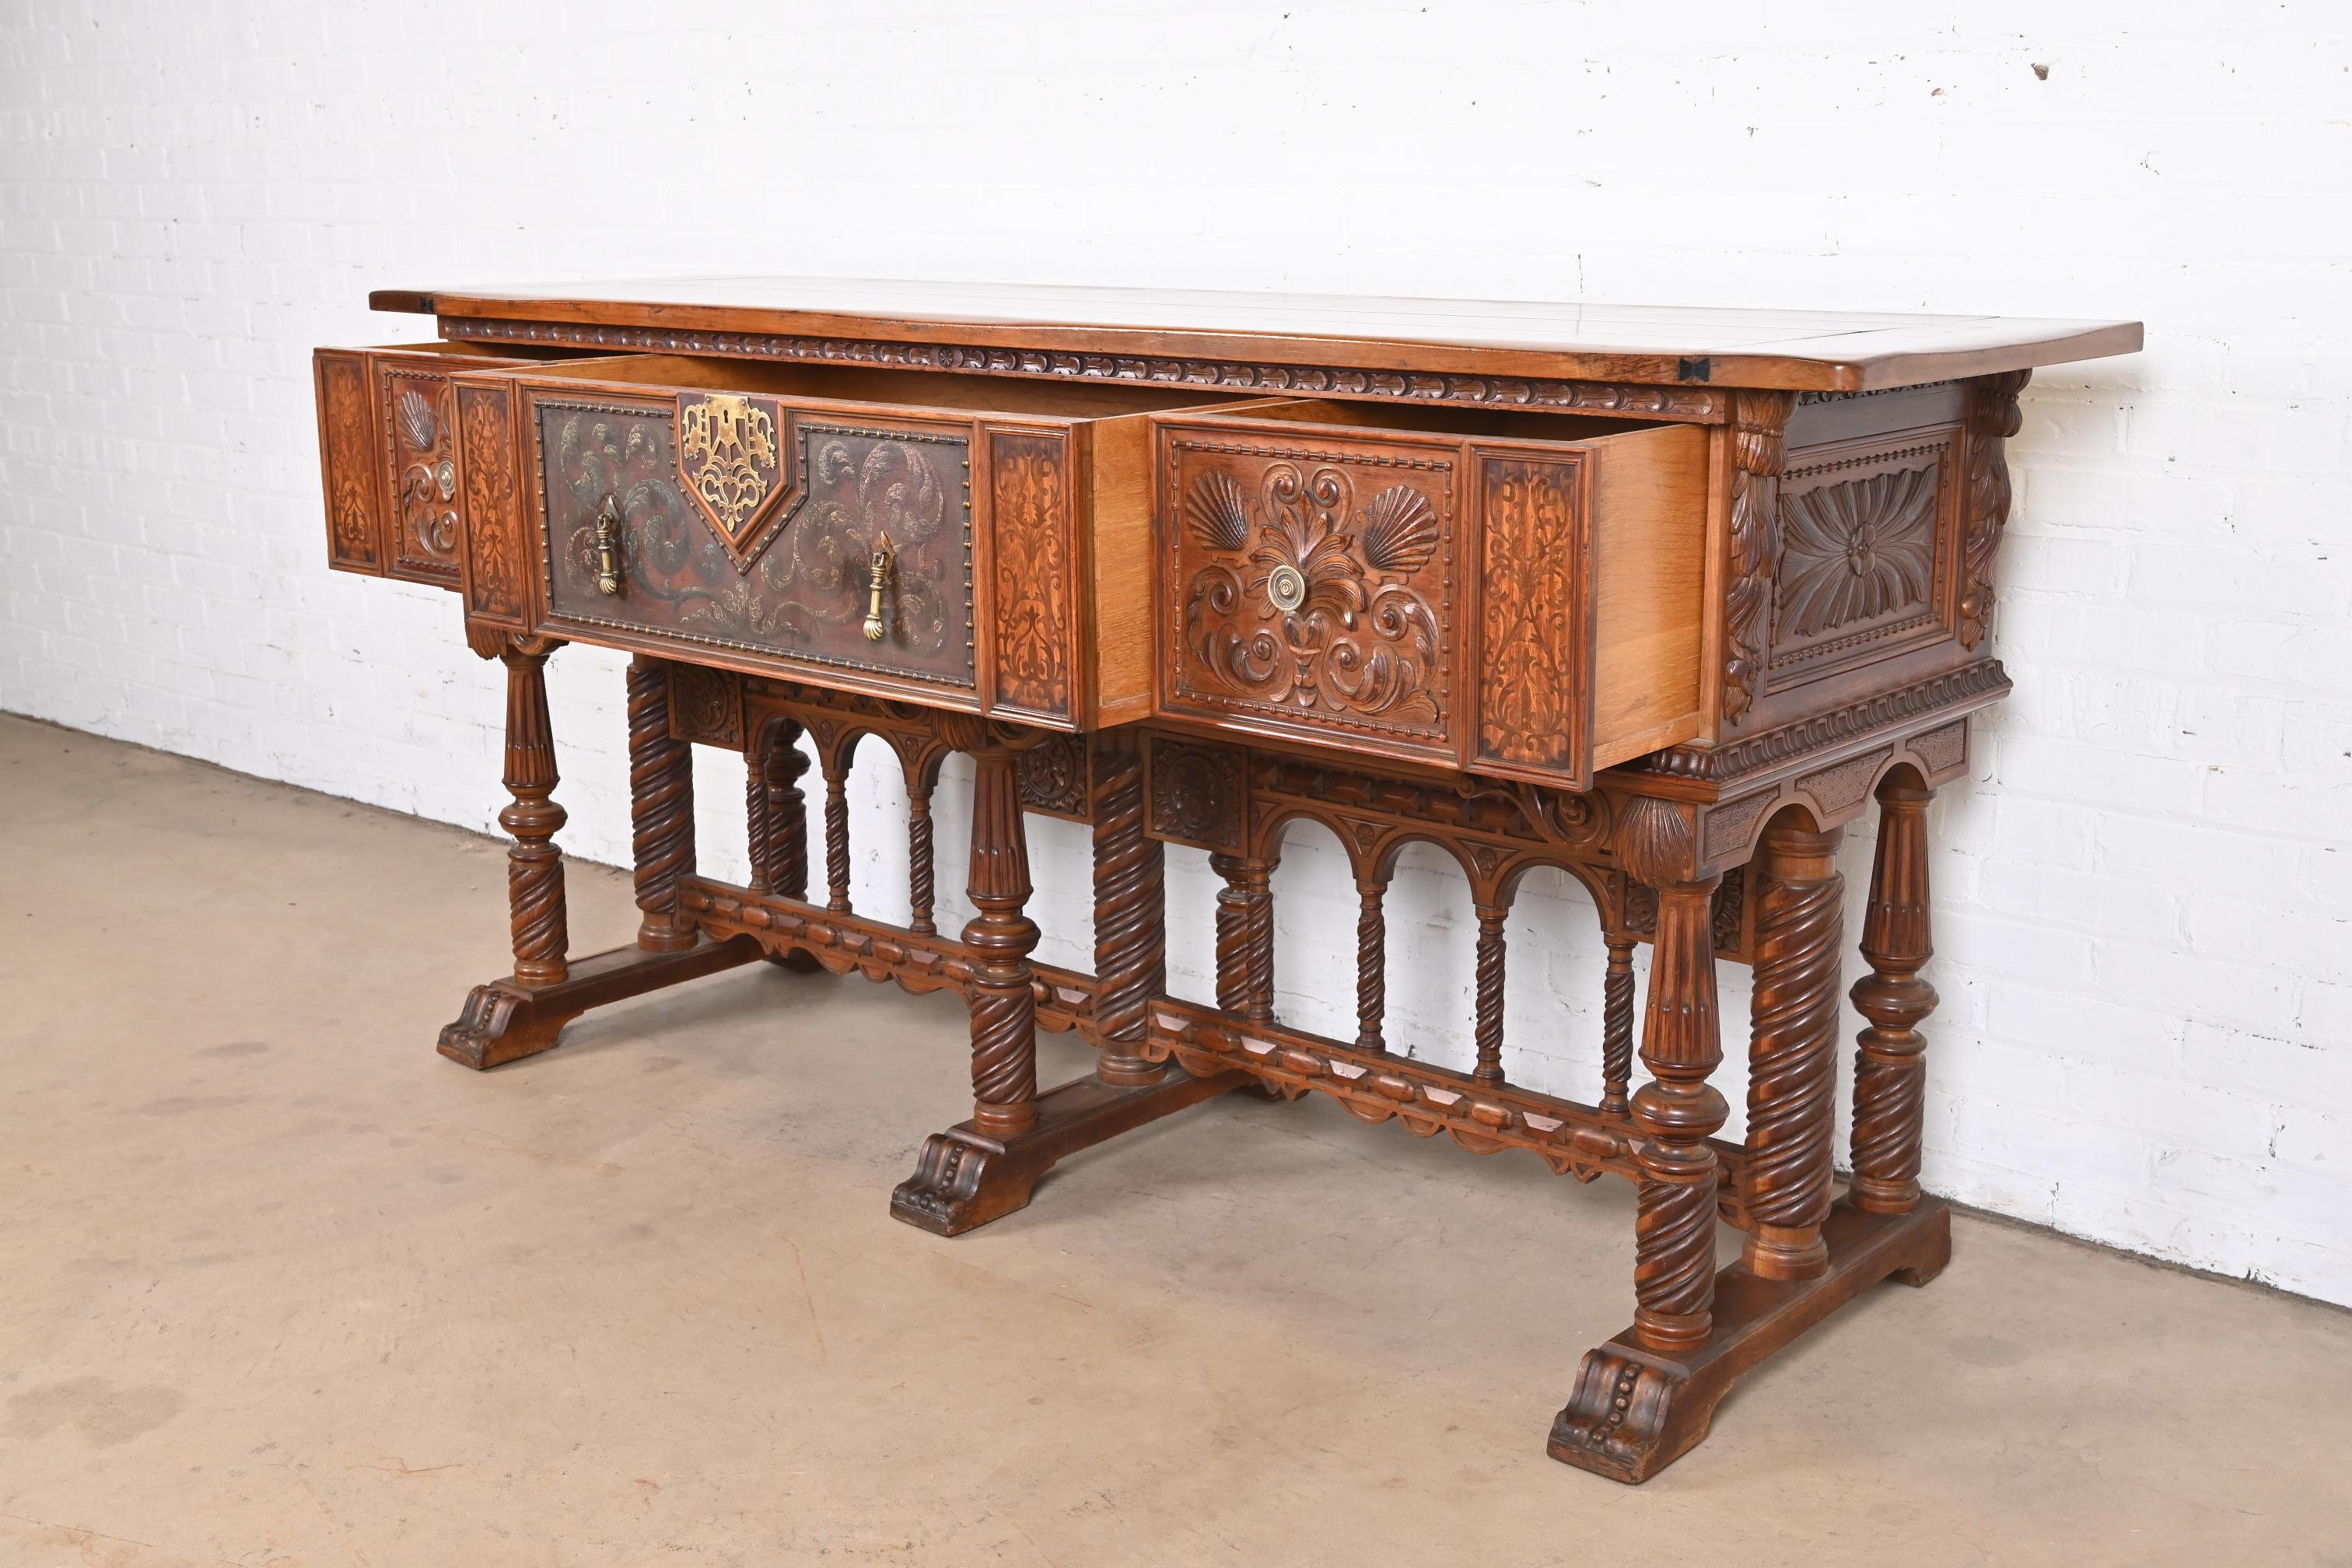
(1661, 598)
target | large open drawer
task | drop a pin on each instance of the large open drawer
(1517, 594)
(742, 507)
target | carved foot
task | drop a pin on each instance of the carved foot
(966, 1177)
(1636, 1411)
(503, 1021)
(1629, 1417)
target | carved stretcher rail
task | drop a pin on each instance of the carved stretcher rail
(875, 949)
(1485, 1118)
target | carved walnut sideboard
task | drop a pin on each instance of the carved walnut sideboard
(1661, 598)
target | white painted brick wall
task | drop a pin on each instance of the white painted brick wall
(2145, 928)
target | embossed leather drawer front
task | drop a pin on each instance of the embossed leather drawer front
(746, 525)
(963, 540)
(388, 456)
(1518, 597)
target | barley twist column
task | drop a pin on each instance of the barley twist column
(534, 866)
(1130, 915)
(836, 826)
(1617, 1027)
(1488, 1027)
(920, 892)
(783, 810)
(1792, 1052)
(661, 808)
(1371, 963)
(1890, 1068)
(1000, 937)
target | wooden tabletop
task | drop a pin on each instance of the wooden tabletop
(1797, 350)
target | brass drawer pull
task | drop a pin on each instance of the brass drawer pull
(608, 547)
(885, 571)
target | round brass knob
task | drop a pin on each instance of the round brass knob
(1286, 586)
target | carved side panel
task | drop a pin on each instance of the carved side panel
(805, 595)
(347, 462)
(1034, 597)
(420, 473)
(1197, 794)
(1993, 418)
(1760, 435)
(1314, 588)
(1869, 553)
(493, 548)
(1535, 647)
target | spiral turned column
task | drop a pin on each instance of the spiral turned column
(1232, 932)
(1890, 1068)
(836, 829)
(778, 812)
(534, 866)
(1617, 1027)
(1254, 937)
(661, 808)
(1792, 1052)
(1130, 915)
(1488, 1027)
(921, 894)
(1000, 937)
(1371, 963)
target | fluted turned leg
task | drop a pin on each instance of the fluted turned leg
(1130, 915)
(987, 1167)
(1003, 1004)
(522, 1015)
(1617, 1027)
(1890, 1068)
(534, 866)
(1792, 1052)
(1371, 963)
(1677, 1111)
(661, 808)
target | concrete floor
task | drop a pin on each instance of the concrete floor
(282, 1286)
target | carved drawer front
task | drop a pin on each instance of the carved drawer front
(959, 541)
(388, 454)
(1513, 594)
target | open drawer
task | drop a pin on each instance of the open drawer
(1517, 594)
(387, 454)
(964, 541)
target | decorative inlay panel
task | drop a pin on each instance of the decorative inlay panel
(1314, 587)
(347, 458)
(1030, 523)
(493, 511)
(1535, 647)
(806, 594)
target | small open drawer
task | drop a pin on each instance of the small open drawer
(1517, 594)
(387, 454)
(965, 541)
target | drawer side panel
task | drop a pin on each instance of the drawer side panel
(1535, 663)
(347, 462)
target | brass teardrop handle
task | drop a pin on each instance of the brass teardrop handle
(883, 573)
(608, 547)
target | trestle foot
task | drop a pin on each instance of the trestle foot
(965, 1177)
(1634, 1411)
(504, 1021)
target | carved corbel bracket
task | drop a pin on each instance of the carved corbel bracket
(1758, 448)
(1993, 417)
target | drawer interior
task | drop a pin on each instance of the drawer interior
(951, 389)
(444, 348)
(1452, 422)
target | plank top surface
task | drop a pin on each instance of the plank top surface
(1798, 349)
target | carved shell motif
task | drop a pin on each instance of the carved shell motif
(413, 412)
(1399, 530)
(1218, 513)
